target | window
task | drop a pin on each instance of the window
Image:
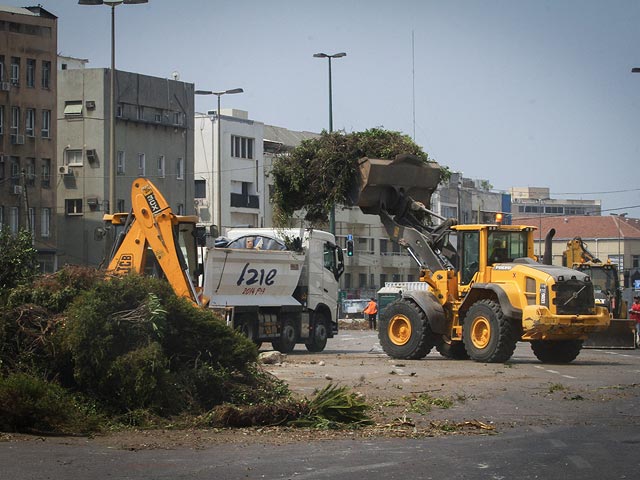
(30, 172)
(120, 164)
(46, 123)
(1, 68)
(362, 280)
(30, 123)
(177, 118)
(15, 71)
(161, 166)
(15, 120)
(14, 219)
(120, 205)
(46, 74)
(45, 223)
(1, 119)
(470, 256)
(180, 209)
(31, 72)
(635, 261)
(241, 147)
(141, 165)
(73, 206)
(31, 217)
(73, 109)
(46, 173)
(200, 189)
(120, 111)
(73, 158)
(180, 169)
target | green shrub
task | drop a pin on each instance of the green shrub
(30, 404)
(56, 291)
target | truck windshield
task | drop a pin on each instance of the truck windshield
(506, 246)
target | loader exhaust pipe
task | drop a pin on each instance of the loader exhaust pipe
(548, 247)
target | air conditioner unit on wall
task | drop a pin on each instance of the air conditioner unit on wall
(64, 170)
(5, 86)
(17, 190)
(92, 155)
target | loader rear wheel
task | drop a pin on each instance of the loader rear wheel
(452, 349)
(487, 334)
(287, 341)
(556, 351)
(318, 340)
(404, 331)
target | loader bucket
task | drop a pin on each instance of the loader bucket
(383, 184)
(619, 334)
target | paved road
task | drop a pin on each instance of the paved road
(576, 421)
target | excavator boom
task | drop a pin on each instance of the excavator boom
(151, 238)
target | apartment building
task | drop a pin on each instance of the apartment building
(28, 48)
(153, 138)
(229, 180)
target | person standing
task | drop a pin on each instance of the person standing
(634, 314)
(372, 311)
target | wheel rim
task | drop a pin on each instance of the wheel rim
(399, 330)
(480, 332)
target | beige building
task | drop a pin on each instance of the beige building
(153, 138)
(28, 46)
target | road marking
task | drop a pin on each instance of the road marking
(336, 470)
(555, 372)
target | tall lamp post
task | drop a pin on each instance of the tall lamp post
(332, 213)
(112, 97)
(218, 198)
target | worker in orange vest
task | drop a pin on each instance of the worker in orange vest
(372, 310)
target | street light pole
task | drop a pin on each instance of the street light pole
(112, 96)
(217, 220)
(332, 213)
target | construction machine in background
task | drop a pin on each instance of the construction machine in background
(284, 289)
(486, 291)
(608, 293)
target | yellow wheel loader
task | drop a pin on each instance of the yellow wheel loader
(486, 289)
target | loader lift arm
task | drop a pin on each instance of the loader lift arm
(152, 231)
(397, 191)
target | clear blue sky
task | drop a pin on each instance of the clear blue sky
(518, 92)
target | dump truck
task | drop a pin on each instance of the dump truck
(284, 289)
(486, 289)
(278, 286)
(608, 293)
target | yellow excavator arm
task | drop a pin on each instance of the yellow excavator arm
(151, 239)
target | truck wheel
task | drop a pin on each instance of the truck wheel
(487, 334)
(556, 351)
(318, 340)
(248, 330)
(288, 336)
(404, 331)
(452, 349)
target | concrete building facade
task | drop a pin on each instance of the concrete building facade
(28, 49)
(153, 137)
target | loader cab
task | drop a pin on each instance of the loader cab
(483, 246)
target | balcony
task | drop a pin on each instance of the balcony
(240, 200)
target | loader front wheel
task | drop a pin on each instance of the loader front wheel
(487, 334)
(556, 351)
(404, 331)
